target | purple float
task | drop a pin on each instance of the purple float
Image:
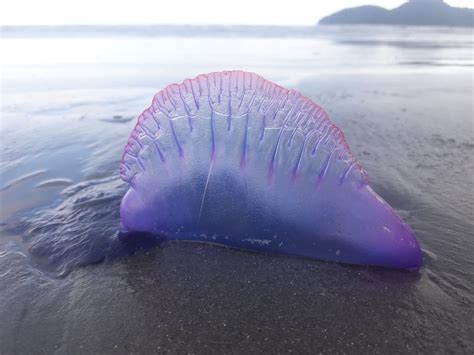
(230, 158)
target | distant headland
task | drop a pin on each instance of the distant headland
(412, 13)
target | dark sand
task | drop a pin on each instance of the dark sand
(411, 130)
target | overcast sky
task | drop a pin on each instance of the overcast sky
(261, 12)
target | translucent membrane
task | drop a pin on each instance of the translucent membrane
(231, 158)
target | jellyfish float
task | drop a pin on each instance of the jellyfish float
(233, 159)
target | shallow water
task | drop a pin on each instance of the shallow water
(71, 283)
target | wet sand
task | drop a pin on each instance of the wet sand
(69, 285)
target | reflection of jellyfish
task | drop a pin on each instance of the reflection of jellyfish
(233, 159)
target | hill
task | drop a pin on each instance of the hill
(412, 13)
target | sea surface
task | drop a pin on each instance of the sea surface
(71, 283)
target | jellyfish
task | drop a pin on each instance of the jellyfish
(230, 158)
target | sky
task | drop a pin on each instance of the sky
(247, 12)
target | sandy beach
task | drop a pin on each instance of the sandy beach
(68, 283)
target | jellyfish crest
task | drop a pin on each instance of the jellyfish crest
(233, 159)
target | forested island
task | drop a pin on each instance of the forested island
(412, 13)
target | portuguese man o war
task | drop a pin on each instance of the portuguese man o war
(230, 158)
